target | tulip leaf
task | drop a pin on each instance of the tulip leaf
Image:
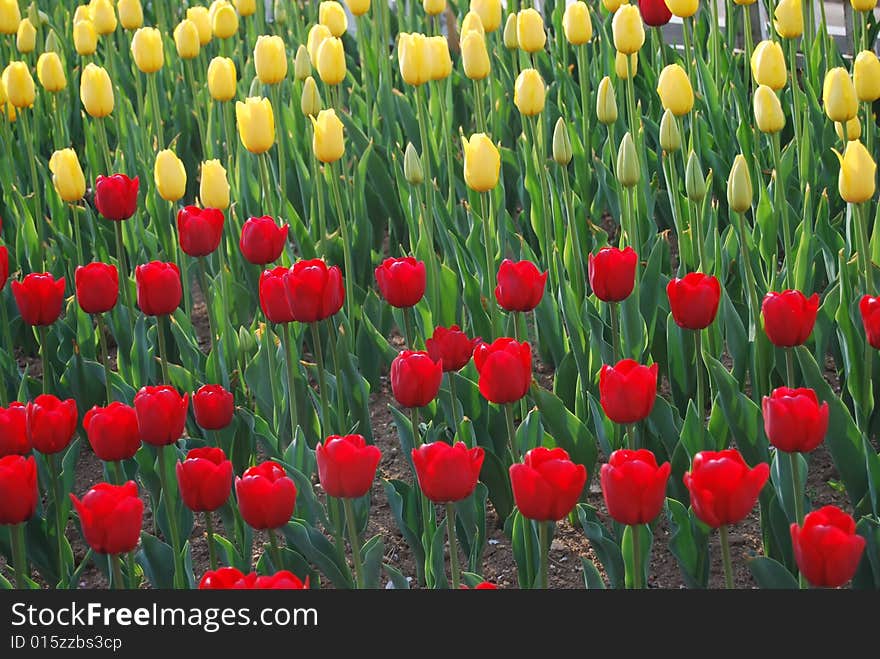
(771, 574)
(157, 559)
(592, 579)
(646, 539)
(781, 476)
(604, 545)
(868, 573)
(315, 547)
(371, 559)
(404, 501)
(567, 430)
(524, 543)
(396, 580)
(229, 555)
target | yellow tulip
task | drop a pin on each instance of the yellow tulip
(628, 30)
(215, 6)
(511, 41)
(302, 65)
(839, 95)
(857, 173)
(20, 89)
(96, 91)
(744, 3)
(82, 13)
(186, 39)
(85, 39)
(10, 16)
(489, 12)
(146, 47)
(675, 90)
(789, 19)
(434, 7)
(414, 58)
(214, 188)
(768, 65)
(221, 79)
(739, 186)
(131, 14)
(620, 67)
(103, 16)
(683, 8)
(331, 61)
(256, 124)
(670, 134)
(438, 55)
(202, 19)
(863, 5)
(6, 108)
(26, 37)
(482, 163)
(768, 110)
(67, 175)
(225, 22)
(529, 92)
(474, 56)
(606, 102)
(530, 31)
(270, 59)
(331, 14)
(50, 72)
(576, 23)
(853, 129)
(246, 7)
(328, 139)
(310, 100)
(358, 7)
(628, 170)
(612, 6)
(472, 22)
(317, 34)
(866, 76)
(169, 175)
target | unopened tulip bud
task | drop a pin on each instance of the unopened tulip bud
(853, 129)
(768, 65)
(222, 79)
(576, 23)
(202, 18)
(214, 187)
(67, 175)
(10, 16)
(739, 186)
(606, 102)
(863, 5)
(270, 59)
(839, 95)
(331, 61)
(670, 135)
(246, 7)
(856, 181)
(256, 124)
(674, 88)
(412, 166)
(131, 14)
(768, 110)
(310, 101)
(624, 70)
(482, 163)
(186, 39)
(628, 29)
(694, 181)
(26, 37)
(358, 7)
(529, 92)
(146, 47)
(53, 43)
(224, 24)
(328, 138)
(683, 8)
(438, 56)
(279, 12)
(489, 12)
(19, 85)
(866, 76)
(434, 7)
(169, 175)
(472, 23)
(302, 65)
(789, 19)
(510, 38)
(85, 39)
(628, 170)
(103, 16)
(530, 31)
(561, 143)
(96, 91)
(50, 72)
(332, 15)
(317, 34)
(414, 59)
(474, 56)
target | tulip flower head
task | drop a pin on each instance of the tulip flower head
(576, 23)
(96, 91)
(67, 175)
(794, 421)
(131, 14)
(626, 66)
(414, 58)
(159, 289)
(739, 186)
(331, 61)
(675, 90)
(693, 300)
(547, 484)
(224, 23)
(39, 297)
(415, 378)
(116, 196)
(186, 39)
(723, 487)
(447, 473)
(19, 85)
(529, 92)
(511, 40)
(347, 465)
(789, 19)
(452, 347)
(328, 137)
(85, 38)
(97, 287)
(10, 16)
(472, 23)
(827, 548)
(213, 406)
(530, 31)
(869, 307)
(302, 65)
(204, 479)
(266, 496)
(273, 297)
(839, 95)
(332, 15)
(26, 37)
(438, 57)
(606, 102)
(13, 430)
(401, 281)
(670, 134)
(214, 187)
(256, 124)
(317, 34)
(628, 30)
(103, 16)
(358, 7)
(146, 48)
(270, 59)
(482, 163)
(866, 76)
(612, 273)
(169, 175)
(627, 391)
(161, 413)
(789, 317)
(683, 8)
(520, 285)
(111, 517)
(51, 423)
(18, 489)
(113, 431)
(199, 230)
(434, 7)
(489, 12)
(769, 116)
(856, 182)
(655, 13)
(222, 79)
(262, 241)
(474, 56)
(314, 291)
(634, 486)
(50, 72)
(505, 370)
(768, 65)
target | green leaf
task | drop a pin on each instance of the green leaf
(771, 574)
(604, 544)
(592, 579)
(568, 431)
(157, 559)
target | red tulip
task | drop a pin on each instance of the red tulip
(793, 419)
(627, 390)
(870, 308)
(613, 273)
(447, 473)
(13, 430)
(213, 406)
(200, 229)
(483, 585)
(97, 287)
(452, 347)
(505, 368)
(4, 266)
(39, 297)
(159, 289)
(205, 479)
(262, 241)
(116, 196)
(281, 580)
(693, 299)
(415, 378)
(51, 423)
(18, 489)
(401, 281)
(347, 465)
(547, 484)
(223, 578)
(723, 488)
(273, 298)
(827, 548)
(266, 496)
(655, 12)
(113, 431)
(161, 413)
(520, 285)
(634, 486)
(314, 291)
(111, 517)
(789, 317)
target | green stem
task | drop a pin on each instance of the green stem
(322, 380)
(635, 531)
(781, 208)
(701, 376)
(228, 123)
(748, 275)
(171, 514)
(716, 52)
(275, 94)
(409, 328)
(688, 51)
(154, 102)
(447, 143)
(538, 144)
(275, 549)
(132, 572)
(414, 420)
(725, 558)
(209, 532)
(617, 353)
(427, 160)
(573, 223)
(346, 245)
(479, 108)
(322, 219)
(200, 121)
(10, 351)
(206, 293)
(355, 543)
(543, 555)
(123, 271)
(511, 431)
(290, 363)
(103, 142)
(789, 367)
(795, 95)
(16, 534)
(453, 546)
(44, 358)
(453, 398)
(118, 582)
(271, 351)
(675, 198)
(337, 372)
(60, 520)
(749, 46)
(860, 211)
(486, 219)
(29, 137)
(632, 440)
(118, 474)
(163, 352)
(77, 237)
(105, 357)
(265, 184)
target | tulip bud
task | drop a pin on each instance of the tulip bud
(606, 102)
(510, 39)
(131, 14)
(434, 7)
(858, 170)
(482, 163)
(622, 69)
(146, 47)
(328, 140)
(67, 175)
(85, 39)
(863, 5)
(331, 61)
(628, 170)
(694, 181)
(744, 3)
(270, 59)
(675, 90)
(186, 39)
(768, 65)
(246, 7)
(50, 72)
(19, 85)
(489, 12)
(739, 186)
(279, 12)
(561, 143)
(310, 101)
(530, 31)
(412, 166)
(103, 16)
(316, 37)
(10, 16)
(82, 13)
(839, 95)
(358, 7)
(474, 56)
(472, 23)
(169, 175)
(438, 57)
(26, 37)
(256, 124)
(332, 15)
(576, 23)
(96, 91)
(789, 19)
(202, 18)
(302, 65)
(853, 129)
(683, 8)
(529, 92)
(53, 44)
(414, 58)
(222, 79)
(866, 76)
(214, 188)
(670, 135)
(224, 24)
(768, 110)
(628, 29)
